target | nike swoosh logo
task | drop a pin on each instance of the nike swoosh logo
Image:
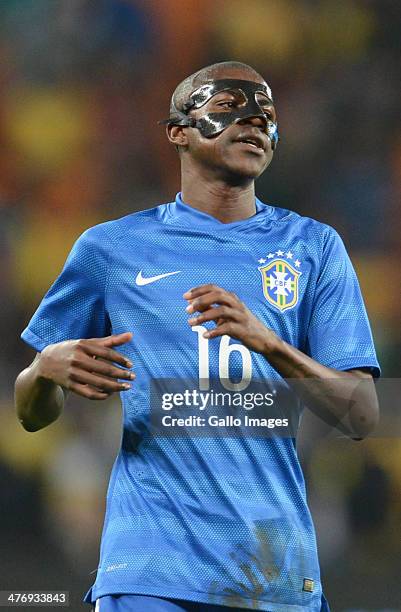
(152, 279)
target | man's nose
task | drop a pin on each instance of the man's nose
(259, 121)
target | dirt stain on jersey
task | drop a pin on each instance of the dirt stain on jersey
(252, 565)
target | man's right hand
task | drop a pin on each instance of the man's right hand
(87, 367)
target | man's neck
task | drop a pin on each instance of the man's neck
(227, 203)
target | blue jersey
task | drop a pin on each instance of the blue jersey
(210, 519)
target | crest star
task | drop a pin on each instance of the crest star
(261, 260)
(280, 253)
(270, 256)
(297, 263)
(289, 254)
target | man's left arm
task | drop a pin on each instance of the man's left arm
(344, 399)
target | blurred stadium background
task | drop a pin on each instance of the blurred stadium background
(82, 86)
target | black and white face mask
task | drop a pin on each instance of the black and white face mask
(250, 99)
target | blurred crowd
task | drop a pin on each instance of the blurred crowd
(82, 87)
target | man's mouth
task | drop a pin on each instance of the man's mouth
(256, 142)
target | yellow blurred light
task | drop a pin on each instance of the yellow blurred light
(41, 250)
(27, 452)
(261, 30)
(339, 30)
(48, 126)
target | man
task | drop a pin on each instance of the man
(206, 523)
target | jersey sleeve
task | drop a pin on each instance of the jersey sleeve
(74, 307)
(339, 334)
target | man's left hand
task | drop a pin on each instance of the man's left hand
(231, 315)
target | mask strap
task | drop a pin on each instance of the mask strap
(179, 118)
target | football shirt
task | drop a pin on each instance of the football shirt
(210, 519)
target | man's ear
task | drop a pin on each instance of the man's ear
(177, 135)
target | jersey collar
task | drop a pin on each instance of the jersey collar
(184, 214)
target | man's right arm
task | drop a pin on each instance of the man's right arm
(86, 367)
(38, 401)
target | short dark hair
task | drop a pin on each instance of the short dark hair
(202, 76)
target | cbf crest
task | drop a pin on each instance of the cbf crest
(280, 279)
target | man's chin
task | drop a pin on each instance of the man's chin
(244, 170)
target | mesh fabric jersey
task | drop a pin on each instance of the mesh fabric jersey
(209, 519)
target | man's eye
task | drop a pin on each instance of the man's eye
(226, 104)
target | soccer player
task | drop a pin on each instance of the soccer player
(205, 523)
